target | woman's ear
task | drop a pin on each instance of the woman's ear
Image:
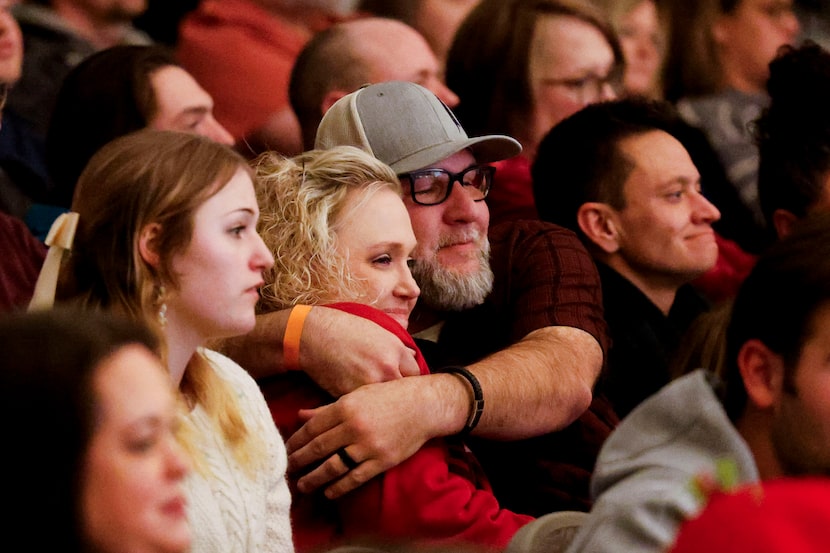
(597, 222)
(147, 244)
(762, 371)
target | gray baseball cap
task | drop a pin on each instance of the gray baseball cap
(405, 126)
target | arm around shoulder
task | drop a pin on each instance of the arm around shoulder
(338, 350)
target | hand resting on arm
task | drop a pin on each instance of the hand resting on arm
(530, 388)
(338, 350)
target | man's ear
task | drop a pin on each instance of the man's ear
(783, 221)
(147, 244)
(762, 371)
(597, 222)
(330, 98)
(720, 34)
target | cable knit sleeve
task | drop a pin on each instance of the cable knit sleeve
(264, 500)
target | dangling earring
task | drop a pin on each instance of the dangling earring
(162, 307)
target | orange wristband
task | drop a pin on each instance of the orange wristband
(291, 338)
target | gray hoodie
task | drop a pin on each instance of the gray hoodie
(642, 481)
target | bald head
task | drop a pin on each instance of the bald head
(350, 54)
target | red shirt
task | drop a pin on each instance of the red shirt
(23, 255)
(242, 55)
(432, 497)
(512, 195)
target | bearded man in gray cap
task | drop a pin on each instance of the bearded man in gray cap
(517, 335)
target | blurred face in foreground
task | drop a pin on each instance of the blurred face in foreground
(131, 491)
(801, 422)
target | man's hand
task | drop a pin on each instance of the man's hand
(338, 350)
(342, 352)
(380, 425)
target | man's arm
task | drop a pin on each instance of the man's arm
(338, 350)
(538, 385)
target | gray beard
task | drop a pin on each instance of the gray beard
(446, 290)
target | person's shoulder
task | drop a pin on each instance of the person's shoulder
(661, 432)
(525, 229)
(15, 234)
(534, 242)
(643, 520)
(230, 371)
(133, 36)
(42, 21)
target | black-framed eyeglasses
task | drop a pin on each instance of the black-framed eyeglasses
(590, 88)
(434, 186)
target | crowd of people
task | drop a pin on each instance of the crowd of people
(418, 276)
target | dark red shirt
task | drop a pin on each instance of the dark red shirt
(544, 276)
(22, 256)
(434, 497)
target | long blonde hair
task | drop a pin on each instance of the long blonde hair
(301, 202)
(158, 177)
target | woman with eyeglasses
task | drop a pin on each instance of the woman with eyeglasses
(521, 66)
(341, 236)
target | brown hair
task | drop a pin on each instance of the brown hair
(146, 177)
(331, 60)
(692, 66)
(107, 95)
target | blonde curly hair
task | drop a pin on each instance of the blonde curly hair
(303, 200)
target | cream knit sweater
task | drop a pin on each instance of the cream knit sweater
(230, 512)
